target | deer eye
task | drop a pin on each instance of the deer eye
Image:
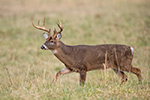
(52, 41)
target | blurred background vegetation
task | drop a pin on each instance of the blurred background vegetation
(26, 71)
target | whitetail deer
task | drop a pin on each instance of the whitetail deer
(83, 58)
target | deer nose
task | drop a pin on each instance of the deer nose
(43, 47)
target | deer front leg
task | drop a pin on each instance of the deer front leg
(122, 75)
(82, 77)
(60, 73)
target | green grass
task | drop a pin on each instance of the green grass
(26, 71)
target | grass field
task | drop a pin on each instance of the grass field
(26, 71)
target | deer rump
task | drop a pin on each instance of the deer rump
(84, 57)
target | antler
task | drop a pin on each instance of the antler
(61, 29)
(55, 33)
(41, 27)
(48, 30)
(60, 26)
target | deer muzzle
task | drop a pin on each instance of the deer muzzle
(43, 47)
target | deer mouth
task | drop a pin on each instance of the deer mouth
(43, 47)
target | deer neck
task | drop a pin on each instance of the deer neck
(61, 48)
(62, 52)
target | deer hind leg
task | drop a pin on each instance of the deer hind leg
(60, 73)
(134, 70)
(82, 77)
(137, 72)
(122, 75)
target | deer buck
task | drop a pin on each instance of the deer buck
(83, 58)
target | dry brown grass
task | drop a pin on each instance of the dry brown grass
(26, 71)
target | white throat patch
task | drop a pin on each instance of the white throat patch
(132, 50)
(54, 51)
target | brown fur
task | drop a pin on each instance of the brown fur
(83, 58)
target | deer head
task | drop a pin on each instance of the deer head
(51, 41)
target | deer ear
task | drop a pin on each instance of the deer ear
(45, 35)
(59, 36)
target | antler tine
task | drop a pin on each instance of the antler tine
(44, 22)
(60, 26)
(49, 35)
(38, 22)
(55, 33)
(41, 27)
